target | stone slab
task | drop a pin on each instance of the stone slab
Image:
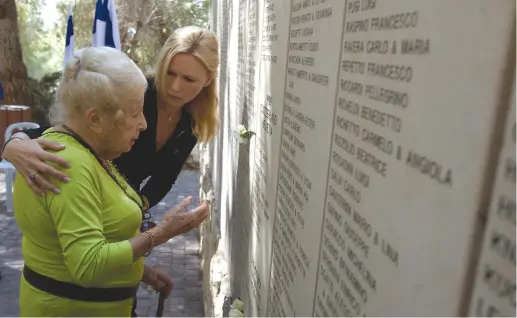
(360, 193)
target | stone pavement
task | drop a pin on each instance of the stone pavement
(178, 257)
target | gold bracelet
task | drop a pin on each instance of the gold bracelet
(151, 236)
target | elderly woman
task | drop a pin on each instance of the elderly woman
(83, 248)
(180, 107)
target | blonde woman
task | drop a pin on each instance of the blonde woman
(83, 249)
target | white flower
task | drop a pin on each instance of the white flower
(239, 130)
(242, 134)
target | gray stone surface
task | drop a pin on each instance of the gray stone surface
(178, 257)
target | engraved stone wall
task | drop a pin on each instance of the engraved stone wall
(385, 137)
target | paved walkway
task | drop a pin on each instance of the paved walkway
(178, 257)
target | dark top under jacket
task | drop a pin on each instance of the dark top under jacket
(143, 161)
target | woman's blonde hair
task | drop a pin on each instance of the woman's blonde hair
(100, 77)
(202, 44)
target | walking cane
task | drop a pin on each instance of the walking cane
(161, 302)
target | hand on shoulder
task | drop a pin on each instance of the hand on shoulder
(30, 157)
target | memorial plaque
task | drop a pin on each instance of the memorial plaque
(253, 14)
(361, 191)
(249, 120)
(221, 176)
(313, 54)
(238, 114)
(417, 99)
(494, 288)
(214, 149)
(274, 41)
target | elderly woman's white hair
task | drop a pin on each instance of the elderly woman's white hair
(100, 77)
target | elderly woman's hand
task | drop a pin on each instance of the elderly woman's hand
(198, 214)
(177, 221)
(160, 281)
(178, 208)
(28, 157)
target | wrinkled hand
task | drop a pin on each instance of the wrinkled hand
(177, 220)
(28, 157)
(177, 209)
(160, 281)
(198, 214)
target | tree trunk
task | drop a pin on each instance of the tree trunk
(140, 24)
(13, 73)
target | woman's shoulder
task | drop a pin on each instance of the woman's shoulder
(75, 153)
(188, 120)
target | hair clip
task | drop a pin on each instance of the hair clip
(75, 69)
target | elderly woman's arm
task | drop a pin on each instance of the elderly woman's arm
(78, 218)
(77, 214)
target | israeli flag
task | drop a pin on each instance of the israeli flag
(70, 41)
(105, 25)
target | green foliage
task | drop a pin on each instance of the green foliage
(44, 91)
(43, 48)
(38, 44)
(168, 16)
(83, 12)
(153, 22)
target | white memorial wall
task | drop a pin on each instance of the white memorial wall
(381, 179)
(494, 290)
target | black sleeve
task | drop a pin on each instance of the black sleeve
(35, 133)
(158, 185)
(166, 172)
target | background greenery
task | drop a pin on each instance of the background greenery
(43, 45)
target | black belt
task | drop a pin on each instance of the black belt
(76, 292)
